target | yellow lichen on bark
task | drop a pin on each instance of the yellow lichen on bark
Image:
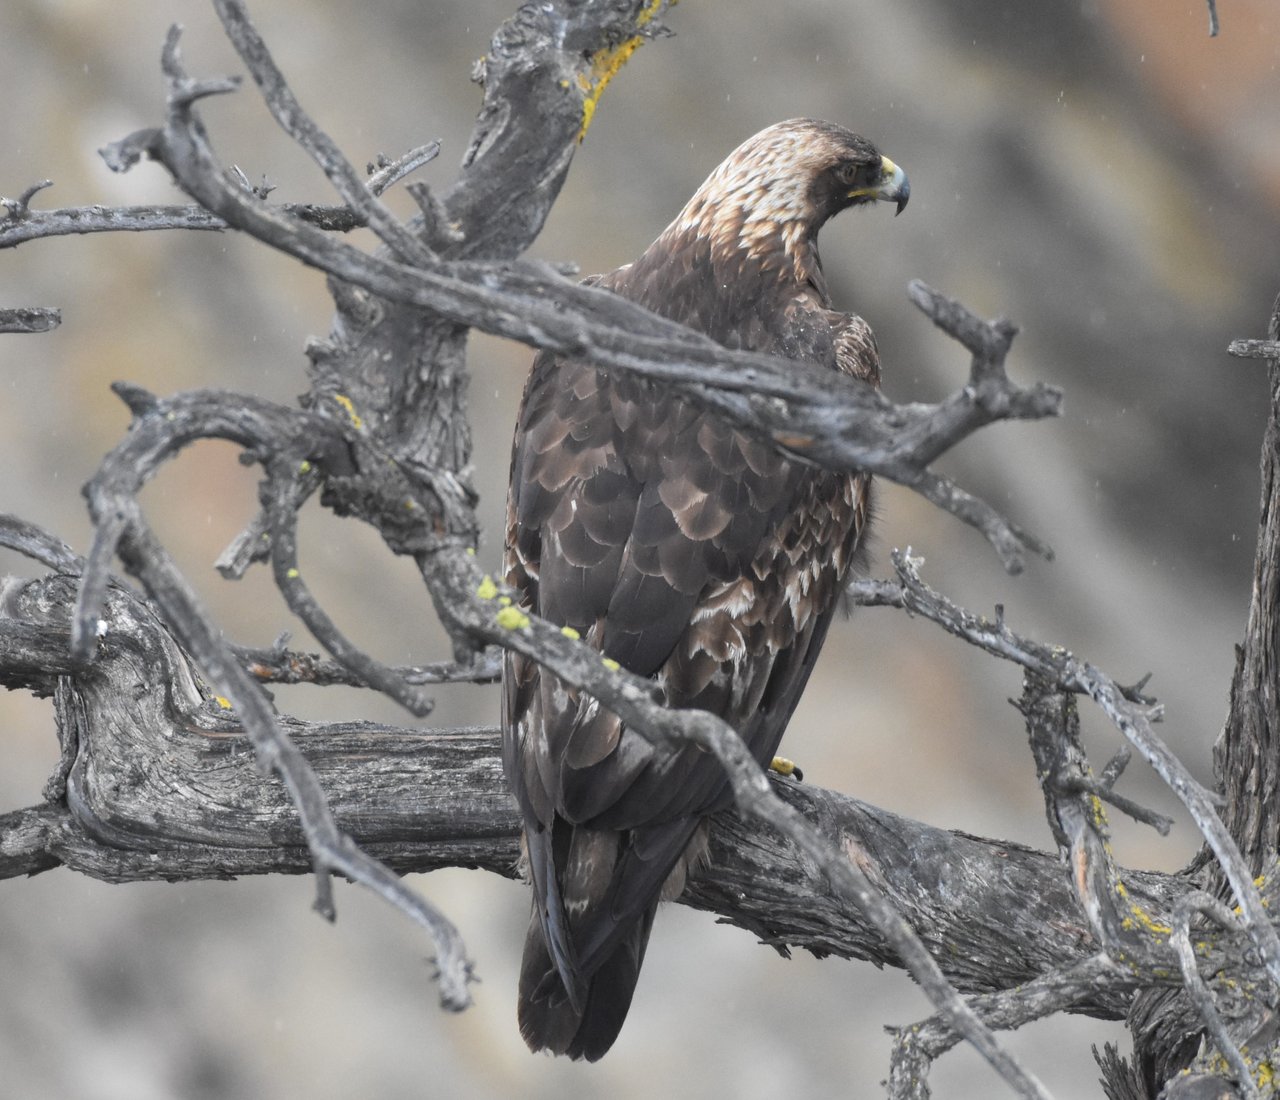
(607, 63)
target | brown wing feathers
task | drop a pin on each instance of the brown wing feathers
(685, 550)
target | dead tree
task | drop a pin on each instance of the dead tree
(232, 787)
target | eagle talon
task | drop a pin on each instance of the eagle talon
(788, 769)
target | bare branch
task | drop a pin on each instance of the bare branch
(160, 430)
(834, 421)
(1059, 666)
(385, 173)
(1124, 930)
(918, 1046)
(284, 666)
(282, 497)
(26, 538)
(423, 798)
(1254, 349)
(16, 230)
(1104, 788)
(288, 112)
(29, 319)
(18, 208)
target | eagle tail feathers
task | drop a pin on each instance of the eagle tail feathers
(548, 1018)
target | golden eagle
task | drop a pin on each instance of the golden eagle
(686, 550)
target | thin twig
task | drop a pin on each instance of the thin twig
(287, 666)
(35, 542)
(1162, 823)
(34, 225)
(18, 208)
(1198, 991)
(283, 495)
(386, 173)
(1254, 349)
(295, 122)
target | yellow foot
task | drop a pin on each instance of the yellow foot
(785, 767)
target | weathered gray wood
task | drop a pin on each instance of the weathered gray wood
(164, 785)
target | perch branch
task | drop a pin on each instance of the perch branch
(995, 914)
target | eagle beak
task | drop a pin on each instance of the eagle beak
(894, 185)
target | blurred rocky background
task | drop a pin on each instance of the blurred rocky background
(1101, 171)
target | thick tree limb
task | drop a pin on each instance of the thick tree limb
(994, 914)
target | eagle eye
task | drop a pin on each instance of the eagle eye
(847, 172)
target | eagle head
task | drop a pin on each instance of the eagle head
(773, 193)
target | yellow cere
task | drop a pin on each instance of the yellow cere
(607, 63)
(304, 467)
(487, 589)
(610, 664)
(346, 402)
(511, 618)
(570, 633)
